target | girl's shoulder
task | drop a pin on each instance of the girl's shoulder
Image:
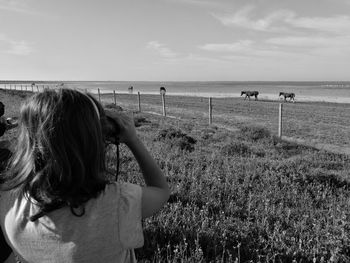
(122, 189)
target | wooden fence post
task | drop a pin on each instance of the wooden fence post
(210, 111)
(37, 88)
(139, 100)
(32, 88)
(280, 124)
(115, 98)
(163, 103)
(99, 95)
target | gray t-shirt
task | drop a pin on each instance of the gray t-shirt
(108, 231)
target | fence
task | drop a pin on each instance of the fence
(26, 87)
(210, 106)
(316, 122)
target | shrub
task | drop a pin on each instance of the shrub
(177, 138)
(326, 178)
(288, 149)
(113, 106)
(169, 133)
(235, 148)
(207, 133)
(140, 120)
(254, 133)
(185, 143)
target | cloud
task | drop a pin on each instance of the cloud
(17, 6)
(299, 37)
(200, 3)
(336, 24)
(21, 48)
(242, 18)
(320, 45)
(228, 47)
(291, 48)
(283, 20)
(162, 49)
(300, 41)
(271, 49)
(15, 47)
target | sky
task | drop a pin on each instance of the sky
(175, 40)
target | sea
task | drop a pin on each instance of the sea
(326, 91)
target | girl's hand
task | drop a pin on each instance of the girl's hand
(126, 126)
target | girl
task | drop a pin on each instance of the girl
(56, 205)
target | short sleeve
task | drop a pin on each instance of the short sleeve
(130, 227)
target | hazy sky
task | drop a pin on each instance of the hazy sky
(175, 39)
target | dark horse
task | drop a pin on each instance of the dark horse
(162, 90)
(250, 94)
(286, 95)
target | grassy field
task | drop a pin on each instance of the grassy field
(242, 195)
(312, 122)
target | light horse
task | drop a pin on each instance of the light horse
(250, 94)
(286, 95)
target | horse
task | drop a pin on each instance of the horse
(131, 89)
(249, 94)
(286, 95)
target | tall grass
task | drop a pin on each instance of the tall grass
(244, 196)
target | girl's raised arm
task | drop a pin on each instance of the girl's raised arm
(157, 192)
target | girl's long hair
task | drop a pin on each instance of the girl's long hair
(59, 158)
